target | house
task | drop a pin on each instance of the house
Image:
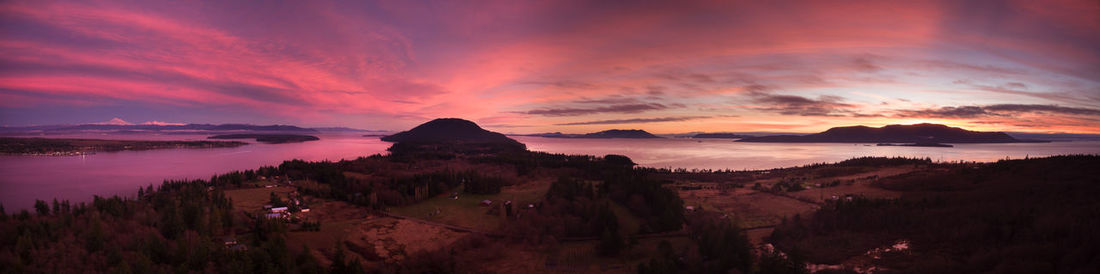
(486, 203)
(304, 210)
(279, 209)
(689, 208)
(229, 240)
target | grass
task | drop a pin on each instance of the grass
(628, 223)
(467, 211)
(253, 199)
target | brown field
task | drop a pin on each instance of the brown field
(861, 186)
(254, 199)
(389, 240)
(371, 238)
(760, 209)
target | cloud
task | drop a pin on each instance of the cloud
(825, 105)
(115, 122)
(1043, 108)
(608, 100)
(634, 121)
(947, 112)
(391, 64)
(621, 108)
(1001, 110)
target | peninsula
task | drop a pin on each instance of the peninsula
(68, 147)
(269, 138)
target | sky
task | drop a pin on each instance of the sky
(555, 66)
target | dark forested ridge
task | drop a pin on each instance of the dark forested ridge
(1025, 216)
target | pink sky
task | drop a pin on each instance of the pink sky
(544, 66)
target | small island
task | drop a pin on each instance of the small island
(72, 147)
(719, 136)
(915, 145)
(269, 138)
(606, 134)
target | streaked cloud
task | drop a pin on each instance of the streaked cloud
(1003, 110)
(554, 65)
(622, 108)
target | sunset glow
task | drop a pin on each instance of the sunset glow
(556, 66)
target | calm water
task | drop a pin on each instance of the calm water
(26, 178)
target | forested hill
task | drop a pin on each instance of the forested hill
(1021, 216)
(448, 130)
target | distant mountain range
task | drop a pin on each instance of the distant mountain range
(606, 134)
(919, 133)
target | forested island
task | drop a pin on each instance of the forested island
(914, 134)
(606, 134)
(719, 136)
(269, 138)
(477, 203)
(64, 147)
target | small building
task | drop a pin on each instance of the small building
(279, 209)
(229, 240)
(305, 210)
(689, 208)
(507, 208)
(486, 203)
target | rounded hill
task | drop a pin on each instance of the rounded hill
(449, 130)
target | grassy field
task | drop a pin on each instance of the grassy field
(752, 208)
(466, 211)
(253, 199)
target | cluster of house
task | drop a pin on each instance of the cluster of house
(232, 244)
(276, 180)
(283, 212)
